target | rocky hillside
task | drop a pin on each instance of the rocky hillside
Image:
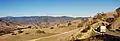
(109, 19)
(8, 26)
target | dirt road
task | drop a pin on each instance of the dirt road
(58, 37)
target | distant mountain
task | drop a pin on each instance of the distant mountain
(42, 19)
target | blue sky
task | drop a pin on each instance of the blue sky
(56, 7)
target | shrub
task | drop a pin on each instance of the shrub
(109, 20)
(14, 34)
(108, 26)
(69, 24)
(52, 28)
(39, 31)
(20, 28)
(86, 29)
(7, 24)
(1, 31)
(80, 25)
(98, 16)
(118, 30)
(103, 14)
(20, 31)
(62, 26)
(58, 25)
(26, 33)
(29, 27)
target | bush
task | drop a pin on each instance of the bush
(69, 24)
(80, 25)
(7, 24)
(20, 31)
(58, 25)
(108, 26)
(103, 14)
(29, 27)
(39, 31)
(109, 20)
(52, 28)
(26, 33)
(14, 34)
(118, 30)
(61, 26)
(1, 31)
(98, 16)
(86, 29)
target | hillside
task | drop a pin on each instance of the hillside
(8, 26)
(41, 32)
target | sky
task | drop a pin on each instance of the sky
(56, 7)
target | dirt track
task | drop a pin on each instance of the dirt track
(57, 37)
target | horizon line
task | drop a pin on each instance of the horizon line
(46, 15)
